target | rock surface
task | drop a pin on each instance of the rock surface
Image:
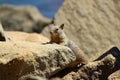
(114, 76)
(92, 24)
(99, 69)
(94, 70)
(22, 58)
(31, 77)
(22, 18)
(23, 36)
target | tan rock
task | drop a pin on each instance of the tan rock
(23, 36)
(31, 77)
(115, 76)
(92, 24)
(22, 58)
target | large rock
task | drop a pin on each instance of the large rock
(23, 36)
(22, 18)
(92, 24)
(100, 69)
(22, 58)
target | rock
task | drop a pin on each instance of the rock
(22, 18)
(23, 36)
(31, 77)
(114, 76)
(93, 71)
(92, 24)
(100, 69)
(110, 50)
(55, 78)
(22, 58)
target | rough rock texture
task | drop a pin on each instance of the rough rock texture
(115, 76)
(92, 24)
(93, 71)
(22, 58)
(100, 69)
(22, 18)
(23, 36)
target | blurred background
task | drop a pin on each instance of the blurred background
(48, 8)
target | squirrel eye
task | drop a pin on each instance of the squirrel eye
(57, 29)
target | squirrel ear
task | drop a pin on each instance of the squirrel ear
(62, 26)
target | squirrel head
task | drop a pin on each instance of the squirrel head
(56, 30)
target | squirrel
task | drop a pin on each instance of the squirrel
(58, 36)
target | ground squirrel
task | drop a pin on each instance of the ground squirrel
(58, 36)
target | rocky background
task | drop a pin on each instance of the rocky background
(92, 24)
